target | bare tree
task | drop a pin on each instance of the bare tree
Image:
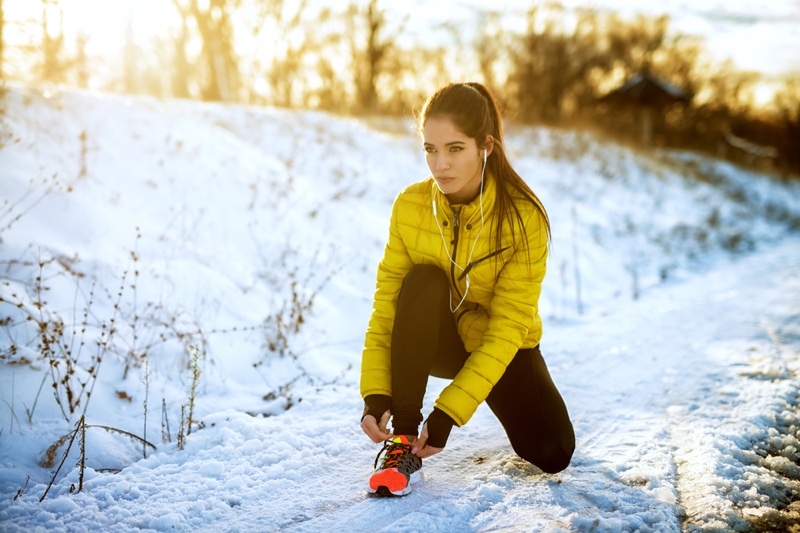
(369, 48)
(2, 40)
(130, 53)
(552, 62)
(81, 61)
(787, 102)
(219, 79)
(279, 24)
(328, 46)
(489, 46)
(180, 62)
(214, 24)
(633, 44)
(53, 67)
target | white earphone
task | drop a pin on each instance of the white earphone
(444, 241)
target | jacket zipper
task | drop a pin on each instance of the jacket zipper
(482, 259)
(456, 224)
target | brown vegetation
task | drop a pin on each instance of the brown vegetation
(362, 59)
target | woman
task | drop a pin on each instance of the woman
(457, 298)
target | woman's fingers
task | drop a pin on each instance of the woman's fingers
(421, 448)
(427, 451)
(419, 442)
(375, 431)
(385, 421)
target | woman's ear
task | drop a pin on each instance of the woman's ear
(488, 146)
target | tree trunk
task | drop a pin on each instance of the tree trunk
(181, 73)
(217, 50)
(368, 59)
(130, 53)
(2, 42)
(52, 44)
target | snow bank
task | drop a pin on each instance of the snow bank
(670, 313)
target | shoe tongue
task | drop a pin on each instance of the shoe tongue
(400, 439)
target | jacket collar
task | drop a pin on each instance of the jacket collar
(468, 211)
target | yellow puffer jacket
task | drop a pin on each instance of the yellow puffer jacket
(500, 314)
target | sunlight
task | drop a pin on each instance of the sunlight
(106, 22)
(764, 92)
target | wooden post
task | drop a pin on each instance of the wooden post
(647, 125)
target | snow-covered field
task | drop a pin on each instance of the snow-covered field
(671, 309)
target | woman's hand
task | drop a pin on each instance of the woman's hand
(375, 430)
(421, 448)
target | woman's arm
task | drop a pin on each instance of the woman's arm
(512, 314)
(376, 374)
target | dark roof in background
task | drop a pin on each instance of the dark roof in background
(645, 89)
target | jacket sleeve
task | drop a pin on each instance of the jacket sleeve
(513, 312)
(376, 369)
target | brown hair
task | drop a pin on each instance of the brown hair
(474, 110)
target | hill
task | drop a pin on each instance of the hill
(166, 256)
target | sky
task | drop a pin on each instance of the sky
(759, 36)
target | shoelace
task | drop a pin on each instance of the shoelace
(394, 453)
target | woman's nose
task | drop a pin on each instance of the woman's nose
(442, 162)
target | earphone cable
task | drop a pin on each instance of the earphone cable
(475, 242)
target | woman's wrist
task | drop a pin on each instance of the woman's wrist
(439, 426)
(376, 405)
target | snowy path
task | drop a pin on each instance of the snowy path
(656, 388)
(677, 357)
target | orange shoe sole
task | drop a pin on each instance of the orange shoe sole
(393, 482)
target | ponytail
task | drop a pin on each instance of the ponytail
(475, 112)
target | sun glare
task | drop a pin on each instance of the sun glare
(106, 22)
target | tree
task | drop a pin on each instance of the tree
(325, 47)
(2, 40)
(633, 45)
(489, 46)
(219, 79)
(130, 54)
(722, 98)
(180, 63)
(552, 62)
(281, 26)
(214, 24)
(81, 61)
(369, 48)
(53, 66)
(787, 102)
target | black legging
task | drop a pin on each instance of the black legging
(425, 342)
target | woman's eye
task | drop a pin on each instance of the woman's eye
(456, 148)
(429, 149)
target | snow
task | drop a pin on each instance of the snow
(671, 310)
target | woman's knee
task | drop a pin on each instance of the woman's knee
(551, 461)
(425, 276)
(424, 291)
(427, 280)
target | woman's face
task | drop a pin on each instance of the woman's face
(455, 161)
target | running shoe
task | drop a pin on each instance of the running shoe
(399, 469)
